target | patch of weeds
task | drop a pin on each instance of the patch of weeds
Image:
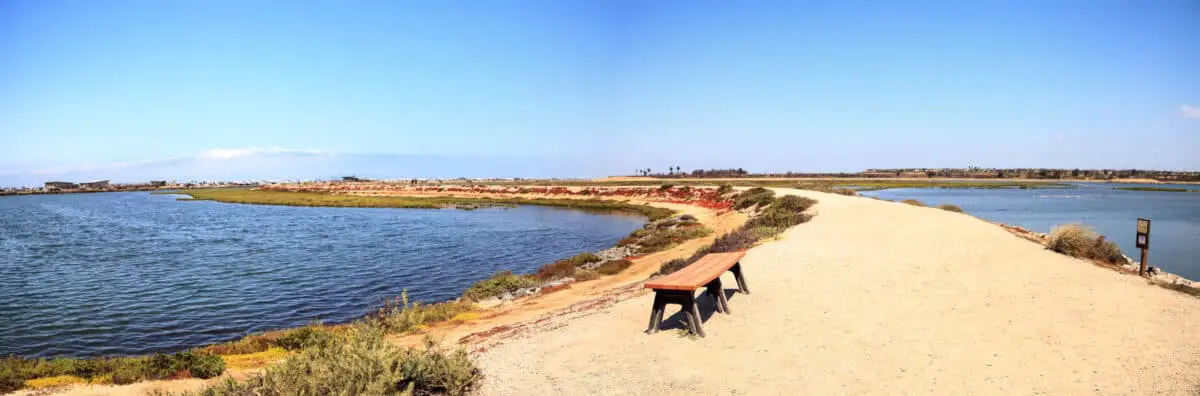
(753, 197)
(950, 208)
(1078, 241)
(400, 315)
(613, 267)
(556, 270)
(913, 202)
(500, 283)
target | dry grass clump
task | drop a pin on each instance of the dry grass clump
(613, 267)
(950, 208)
(913, 202)
(400, 315)
(360, 362)
(17, 372)
(753, 197)
(1078, 241)
(500, 283)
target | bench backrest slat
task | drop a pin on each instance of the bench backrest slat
(698, 274)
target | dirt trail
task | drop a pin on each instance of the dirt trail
(874, 297)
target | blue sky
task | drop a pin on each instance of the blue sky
(134, 90)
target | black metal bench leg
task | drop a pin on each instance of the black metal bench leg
(693, 315)
(741, 280)
(717, 292)
(656, 313)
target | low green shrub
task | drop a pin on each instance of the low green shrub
(584, 258)
(207, 366)
(556, 270)
(672, 266)
(301, 338)
(753, 197)
(14, 371)
(665, 187)
(950, 208)
(1078, 241)
(724, 189)
(400, 315)
(660, 240)
(613, 267)
(500, 283)
(586, 275)
(740, 239)
(360, 362)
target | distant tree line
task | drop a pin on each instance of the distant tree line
(971, 172)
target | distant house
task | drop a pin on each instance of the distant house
(61, 185)
(96, 184)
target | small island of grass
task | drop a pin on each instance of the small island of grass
(1159, 189)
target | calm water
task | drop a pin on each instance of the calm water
(1175, 217)
(132, 273)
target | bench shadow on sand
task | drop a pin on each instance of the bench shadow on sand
(707, 306)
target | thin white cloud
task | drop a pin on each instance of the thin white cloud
(224, 154)
(1189, 111)
(203, 156)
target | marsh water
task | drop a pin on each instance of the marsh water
(133, 273)
(1174, 216)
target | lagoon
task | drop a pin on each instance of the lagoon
(134, 273)
(1175, 216)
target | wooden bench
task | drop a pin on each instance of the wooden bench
(679, 287)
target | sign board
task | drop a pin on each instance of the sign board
(1143, 234)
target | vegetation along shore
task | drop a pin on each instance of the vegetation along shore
(430, 369)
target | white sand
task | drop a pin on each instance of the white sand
(872, 297)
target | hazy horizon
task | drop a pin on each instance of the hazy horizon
(228, 90)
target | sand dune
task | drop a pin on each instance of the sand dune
(874, 297)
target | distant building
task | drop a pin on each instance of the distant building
(96, 184)
(61, 185)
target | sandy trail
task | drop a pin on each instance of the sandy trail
(873, 297)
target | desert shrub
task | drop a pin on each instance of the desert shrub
(1078, 241)
(665, 239)
(668, 223)
(740, 239)
(665, 187)
(248, 344)
(360, 362)
(613, 267)
(14, 371)
(586, 275)
(845, 191)
(556, 270)
(500, 283)
(753, 197)
(950, 208)
(724, 189)
(672, 266)
(792, 203)
(765, 232)
(585, 258)
(400, 315)
(913, 202)
(206, 366)
(301, 338)
(687, 218)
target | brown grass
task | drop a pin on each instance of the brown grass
(913, 202)
(1078, 241)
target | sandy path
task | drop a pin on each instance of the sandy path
(874, 297)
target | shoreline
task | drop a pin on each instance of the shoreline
(489, 313)
(546, 313)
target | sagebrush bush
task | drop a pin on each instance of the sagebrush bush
(360, 362)
(1078, 241)
(585, 258)
(400, 315)
(613, 267)
(913, 202)
(672, 266)
(14, 371)
(660, 240)
(500, 283)
(301, 338)
(950, 208)
(556, 270)
(753, 197)
(724, 189)
(740, 239)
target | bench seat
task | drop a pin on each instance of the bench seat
(680, 286)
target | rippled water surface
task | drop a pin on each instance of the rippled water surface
(132, 273)
(1174, 216)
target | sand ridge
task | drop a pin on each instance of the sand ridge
(874, 297)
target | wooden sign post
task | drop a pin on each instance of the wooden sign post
(1143, 242)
